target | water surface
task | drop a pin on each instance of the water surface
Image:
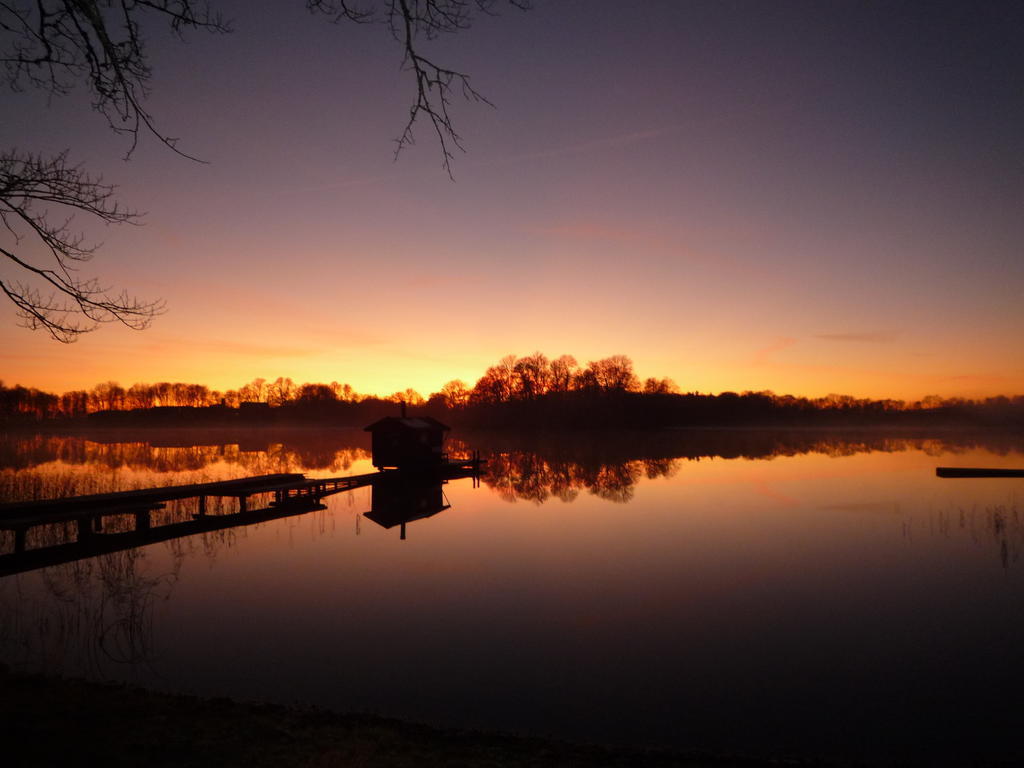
(748, 592)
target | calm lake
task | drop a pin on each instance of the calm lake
(748, 592)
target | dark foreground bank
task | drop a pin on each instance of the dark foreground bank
(45, 721)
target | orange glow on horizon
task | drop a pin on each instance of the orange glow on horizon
(822, 231)
(372, 371)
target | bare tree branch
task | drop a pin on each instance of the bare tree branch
(52, 44)
(410, 22)
(58, 300)
(340, 10)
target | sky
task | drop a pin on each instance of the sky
(804, 197)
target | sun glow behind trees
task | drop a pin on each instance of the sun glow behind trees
(555, 387)
(824, 230)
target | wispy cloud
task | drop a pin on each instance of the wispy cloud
(607, 142)
(992, 378)
(763, 355)
(609, 231)
(25, 357)
(587, 230)
(229, 348)
(871, 337)
(359, 181)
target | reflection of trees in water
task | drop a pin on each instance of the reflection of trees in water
(1001, 525)
(27, 484)
(529, 477)
(47, 483)
(97, 616)
(617, 447)
(282, 457)
(614, 482)
(85, 616)
(125, 616)
(173, 511)
(85, 467)
(241, 453)
(660, 468)
(189, 452)
(537, 467)
(91, 615)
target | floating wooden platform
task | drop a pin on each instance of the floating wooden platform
(977, 472)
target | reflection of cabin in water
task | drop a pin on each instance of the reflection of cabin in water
(407, 443)
(398, 501)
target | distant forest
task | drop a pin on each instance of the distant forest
(530, 391)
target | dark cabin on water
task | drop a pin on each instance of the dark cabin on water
(403, 442)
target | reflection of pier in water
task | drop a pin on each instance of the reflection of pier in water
(403, 496)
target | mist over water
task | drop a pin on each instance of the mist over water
(753, 592)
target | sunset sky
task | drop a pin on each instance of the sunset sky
(804, 197)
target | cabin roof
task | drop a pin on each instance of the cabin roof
(418, 424)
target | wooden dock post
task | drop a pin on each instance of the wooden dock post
(84, 526)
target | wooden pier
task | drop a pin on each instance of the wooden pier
(291, 493)
(977, 472)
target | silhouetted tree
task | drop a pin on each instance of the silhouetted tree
(533, 376)
(254, 392)
(74, 404)
(498, 384)
(613, 373)
(501, 398)
(140, 396)
(52, 45)
(315, 393)
(454, 394)
(344, 392)
(654, 386)
(409, 397)
(26, 404)
(281, 391)
(563, 373)
(55, 44)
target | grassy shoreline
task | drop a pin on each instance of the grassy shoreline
(53, 721)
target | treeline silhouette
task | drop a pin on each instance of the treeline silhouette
(517, 391)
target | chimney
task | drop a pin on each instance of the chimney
(403, 409)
